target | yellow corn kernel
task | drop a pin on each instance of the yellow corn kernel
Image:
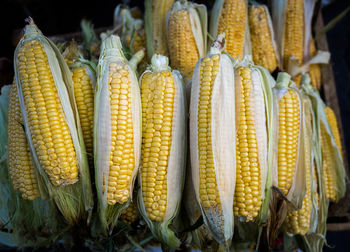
(122, 161)
(130, 214)
(247, 197)
(288, 139)
(208, 191)
(328, 165)
(182, 45)
(51, 137)
(294, 34)
(21, 166)
(157, 96)
(84, 96)
(334, 127)
(262, 45)
(232, 22)
(315, 69)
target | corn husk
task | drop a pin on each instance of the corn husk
(72, 207)
(111, 52)
(156, 32)
(176, 162)
(316, 239)
(321, 119)
(219, 220)
(213, 27)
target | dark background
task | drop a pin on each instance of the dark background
(63, 16)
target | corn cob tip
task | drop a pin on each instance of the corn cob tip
(218, 45)
(31, 29)
(29, 20)
(113, 45)
(283, 80)
(160, 63)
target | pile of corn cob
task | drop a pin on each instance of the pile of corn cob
(197, 118)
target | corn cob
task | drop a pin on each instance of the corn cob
(84, 81)
(289, 124)
(328, 171)
(48, 128)
(156, 12)
(329, 168)
(117, 129)
(185, 38)
(261, 31)
(212, 111)
(251, 143)
(50, 117)
(130, 214)
(21, 166)
(289, 127)
(294, 32)
(230, 17)
(299, 222)
(334, 127)
(315, 69)
(163, 146)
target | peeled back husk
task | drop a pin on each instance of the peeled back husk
(72, 207)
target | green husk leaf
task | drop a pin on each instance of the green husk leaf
(91, 42)
(111, 52)
(76, 199)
